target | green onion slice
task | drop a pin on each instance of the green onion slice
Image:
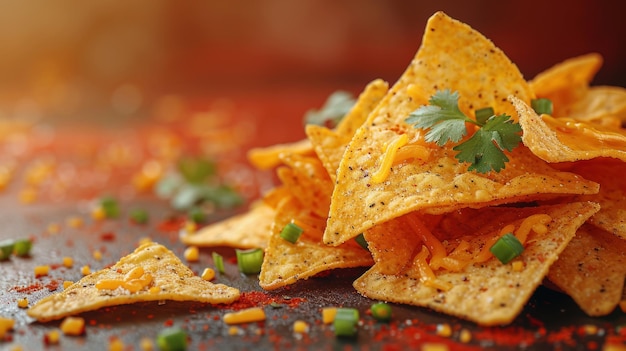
(507, 248)
(360, 239)
(22, 247)
(196, 215)
(346, 321)
(249, 261)
(6, 249)
(483, 114)
(291, 232)
(172, 339)
(542, 106)
(110, 207)
(218, 261)
(139, 216)
(381, 311)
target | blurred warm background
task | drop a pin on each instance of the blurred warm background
(77, 60)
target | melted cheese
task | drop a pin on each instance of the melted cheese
(387, 160)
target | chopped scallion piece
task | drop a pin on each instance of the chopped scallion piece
(172, 339)
(6, 249)
(381, 311)
(218, 261)
(110, 207)
(360, 239)
(196, 170)
(507, 248)
(542, 106)
(291, 232)
(139, 216)
(483, 114)
(346, 321)
(196, 215)
(249, 261)
(22, 247)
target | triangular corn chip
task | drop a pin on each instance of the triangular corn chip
(489, 292)
(564, 140)
(329, 144)
(567, 82)
(160, 276)
(269, 157)
(452, 56)
(285, 262)
(247, 230)
(591, 270)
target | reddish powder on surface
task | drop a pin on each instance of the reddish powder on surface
(171, 225)
(29, 288)
(53, 285)
(259, 298)
(109, 236)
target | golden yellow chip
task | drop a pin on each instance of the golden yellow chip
(612, 195)
(308, 181)
(604, 105)
(485, 291)
(452, 56)
(591, 270)
(247, 230)
(285, 262)
(328, 144)
(567, 82)
(565, 140)
(150, 273)
(269, 157)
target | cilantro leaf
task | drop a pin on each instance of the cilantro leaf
(445, 122)
(485, 149)
(337, 105)
(442, 116)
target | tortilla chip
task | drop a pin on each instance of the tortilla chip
(452, 56)
(245, 231)
(329, 144)
(609, 174)
(285, 263)
(269, 157)
(604, 105)
(171, 278)
(591, 270)
(488, 293)
(564, 140)
(307, 180)
(567, 82)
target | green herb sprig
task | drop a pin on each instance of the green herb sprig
(445, 122)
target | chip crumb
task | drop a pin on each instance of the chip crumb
(68, 262)
(22, 303)
(85, 270)
(73, 326)
(116, 344)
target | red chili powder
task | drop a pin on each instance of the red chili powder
(259, 298)
(29, 288)
(171, 225)
(109, 236)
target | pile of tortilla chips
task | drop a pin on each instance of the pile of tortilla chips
(429, 222)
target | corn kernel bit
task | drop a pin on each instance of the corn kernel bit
(233, 330)
(253, 314)
(154, 290)
(6, 324)
(74, 222)
(22, 303)
(208, 274)
(146, 344)
(300, 327)
(85, 270)
(54, 228)
(52, 337)
(97, 255)
(465, 336)
(67, 283)
(328, 314)
(41, 270)
(68, 262)
(28, 195)
(444, 330)
(116, 345)
(192, 254)
(190, 227)
(518, 266)
(98, 213)
(73, 326)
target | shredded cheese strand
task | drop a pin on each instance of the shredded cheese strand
(385, 165)
(411, 151)
(434, 245)
(527, 225)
